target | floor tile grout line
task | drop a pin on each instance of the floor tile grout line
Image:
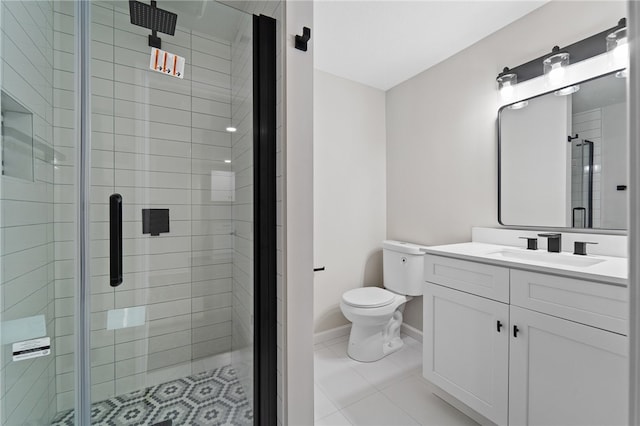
(402, 409)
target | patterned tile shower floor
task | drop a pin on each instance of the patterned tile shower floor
(210, 398)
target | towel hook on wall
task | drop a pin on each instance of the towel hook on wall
(301, 41)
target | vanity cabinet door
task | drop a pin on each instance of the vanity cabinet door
(565, 373)
(466, 348)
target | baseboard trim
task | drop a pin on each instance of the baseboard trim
(333, 333)
(411, 332)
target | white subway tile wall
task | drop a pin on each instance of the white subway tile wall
(155, 140)
(28, 387)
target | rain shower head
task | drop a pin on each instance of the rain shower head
(153, 18)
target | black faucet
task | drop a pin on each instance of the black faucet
(532, 242)
(554, 242)
(580, 247)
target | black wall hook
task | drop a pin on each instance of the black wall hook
(301, 41)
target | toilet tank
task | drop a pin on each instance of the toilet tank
(403, 267)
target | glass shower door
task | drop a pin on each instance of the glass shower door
(173, 340)
(169, 294)
(582, 183)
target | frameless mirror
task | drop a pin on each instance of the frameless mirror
(563, 157)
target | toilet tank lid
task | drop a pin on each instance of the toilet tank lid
(403, 247)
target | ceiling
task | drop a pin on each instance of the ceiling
(383, 43)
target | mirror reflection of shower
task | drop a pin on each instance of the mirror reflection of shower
(582, 182)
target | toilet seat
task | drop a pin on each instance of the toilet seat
(368, 297)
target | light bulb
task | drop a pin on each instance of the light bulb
(554, 67)
(506, 84)
(621, 53)
(507, 90)
(556, 75)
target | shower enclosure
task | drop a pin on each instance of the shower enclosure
(137, 215)
(582, 184)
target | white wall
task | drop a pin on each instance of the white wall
(349, 191)
(297, 211)
(441, 128)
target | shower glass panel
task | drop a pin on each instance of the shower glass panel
(36, 231)
(163, 339)
(582, 184)
(174, 339)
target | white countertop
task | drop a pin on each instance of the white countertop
(612, 270)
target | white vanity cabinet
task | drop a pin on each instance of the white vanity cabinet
(550, 352)
(565, 373)
(468, 355)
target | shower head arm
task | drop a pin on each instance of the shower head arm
(154, 40)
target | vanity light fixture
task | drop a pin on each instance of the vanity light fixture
(555, 65)
(617, 42)
(231, 129)
(618, 48)
(552, 64)
(567, 90)
(227, 161)
(506, 82)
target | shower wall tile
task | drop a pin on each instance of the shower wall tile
(28, 390)
(209, 46)
(165, 136)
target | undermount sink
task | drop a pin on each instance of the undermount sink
(546, 257)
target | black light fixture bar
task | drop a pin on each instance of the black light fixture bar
(578, 51)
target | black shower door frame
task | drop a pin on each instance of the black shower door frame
(264, 205)
(265, 242)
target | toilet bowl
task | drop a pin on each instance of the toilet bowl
(376, 313)
(376, 316)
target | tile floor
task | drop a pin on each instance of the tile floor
(208, 398)
(388, 392)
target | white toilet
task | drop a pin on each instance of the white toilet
(376, 313)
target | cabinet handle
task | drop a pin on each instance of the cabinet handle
(515, 331)
(498, 325)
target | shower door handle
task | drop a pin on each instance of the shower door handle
(115, 240)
